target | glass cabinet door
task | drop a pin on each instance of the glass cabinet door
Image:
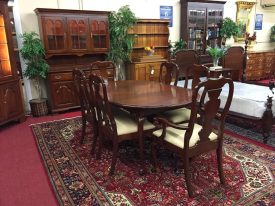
(196, 28)
(214, 20)
(99, 34)
(54, 34)
(5, 66)
(78, 33)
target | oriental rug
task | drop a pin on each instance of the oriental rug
(78, 178)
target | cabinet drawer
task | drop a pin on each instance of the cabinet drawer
(61, 76)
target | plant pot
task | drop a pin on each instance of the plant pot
(39, 107)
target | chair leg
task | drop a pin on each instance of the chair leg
(83, 132)
(187, 177)
(98, 155)
(114, 158)
(220, 164)
(154, 156)
(96, 133)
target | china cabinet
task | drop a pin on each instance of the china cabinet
(11, 105)
(148, 33)
(72, 38)
(200, 23)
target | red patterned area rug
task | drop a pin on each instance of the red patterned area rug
(80, 179)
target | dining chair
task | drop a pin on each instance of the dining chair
(192, 139)
(235, 58)
(106, 69)
(190, 81)
(115, 125)
(86, 104)
(169, 72)
(184, 59)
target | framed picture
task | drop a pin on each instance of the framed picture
(166, 12)
(259, 22)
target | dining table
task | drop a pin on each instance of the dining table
(145, 98)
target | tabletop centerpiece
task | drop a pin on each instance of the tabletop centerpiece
(216, 53)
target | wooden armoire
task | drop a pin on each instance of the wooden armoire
(11, 105)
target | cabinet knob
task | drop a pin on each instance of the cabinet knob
(91, 35)
(57, 77)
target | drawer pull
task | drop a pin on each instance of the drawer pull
(57, 77)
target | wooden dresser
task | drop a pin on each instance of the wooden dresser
(260, 65)
(72, 38)
(11, 104)
(148, 32)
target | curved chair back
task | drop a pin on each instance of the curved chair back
(185, 58)
(169, 72)
(235, 59)
(105, 69)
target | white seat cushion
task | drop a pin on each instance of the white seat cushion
(176, 136)
(178, 115)
(126, 124)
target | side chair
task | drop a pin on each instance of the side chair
(105, 69)
(115, 125)
(192, 139)
(182, 114)
(86, 104)
(169, 72)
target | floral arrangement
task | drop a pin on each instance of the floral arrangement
(149, 50)
(250, 38)
(216, 52)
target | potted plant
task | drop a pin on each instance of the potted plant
(216, 53)
(177, 46)
(121, 42)
(272, 34)
(228, 29)
(32, 52)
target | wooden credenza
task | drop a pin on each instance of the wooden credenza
(260, 65)
(72, 39)
(11, 104)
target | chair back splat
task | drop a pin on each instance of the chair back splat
(197, 137)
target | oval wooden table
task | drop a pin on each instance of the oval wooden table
(144, 98)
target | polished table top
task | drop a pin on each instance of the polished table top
(147, 95)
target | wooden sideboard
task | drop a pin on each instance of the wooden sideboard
(259, 65)
(72, 39)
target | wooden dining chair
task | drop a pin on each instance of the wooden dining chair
(105, 69)
(86, 104)
(184, 59)
(169, 72)
(182, 114)
(192, 139)
(115, 125)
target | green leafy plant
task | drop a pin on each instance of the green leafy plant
(177, 46)
(121, 42)
(33, 53)
(229, 28)
(216, 52)
(272, 34)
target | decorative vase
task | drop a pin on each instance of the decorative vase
(150, 52)
(215, 61)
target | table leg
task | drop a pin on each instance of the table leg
(141, 144)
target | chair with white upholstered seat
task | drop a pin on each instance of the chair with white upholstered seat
(182, 115)
(192, 139)
(115, 125)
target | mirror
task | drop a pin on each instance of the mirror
(243, 17)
